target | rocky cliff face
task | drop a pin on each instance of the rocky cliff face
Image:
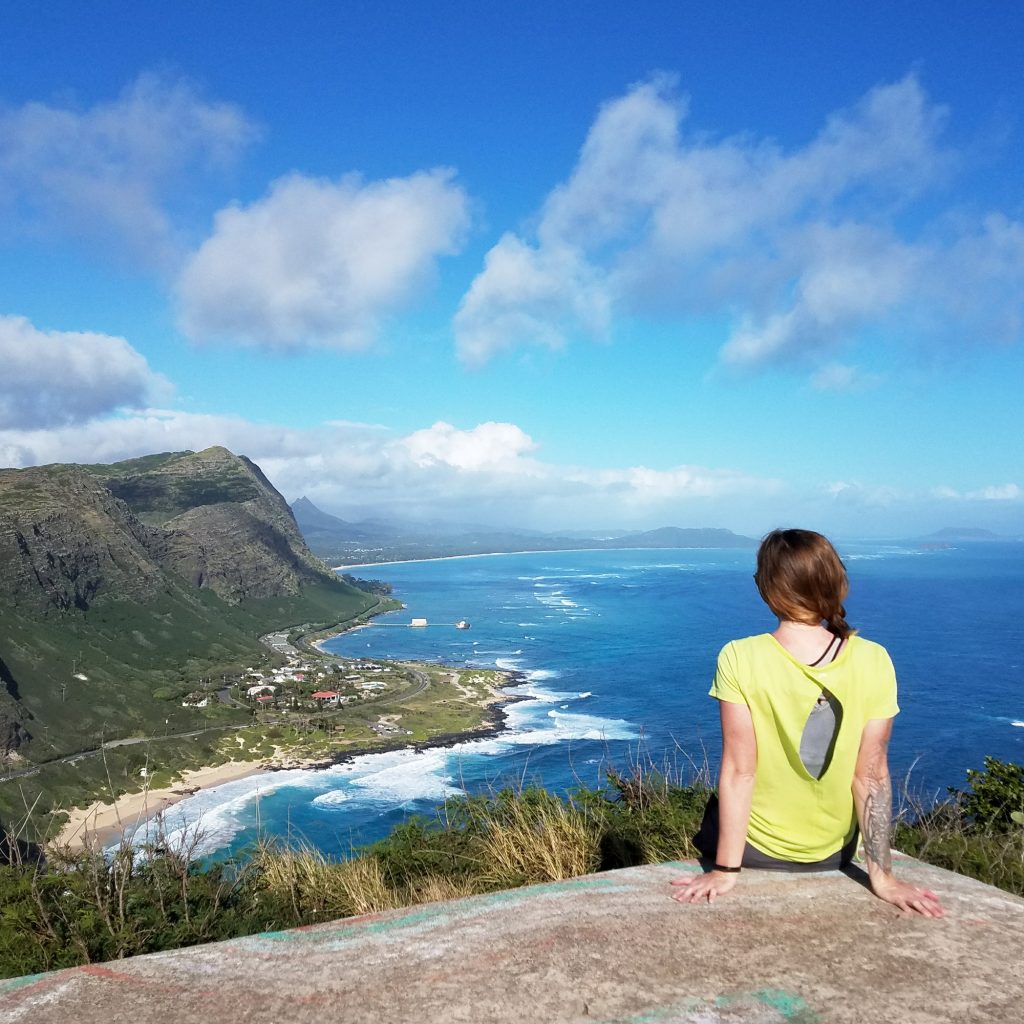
(65, 540)
(71, 535)
(13, 732)
(216, 520)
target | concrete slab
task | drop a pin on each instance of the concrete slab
(802, 949)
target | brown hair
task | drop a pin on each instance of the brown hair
(800, 577)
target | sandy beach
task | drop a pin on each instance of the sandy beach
(101, 824)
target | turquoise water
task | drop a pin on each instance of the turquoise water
(618, 648)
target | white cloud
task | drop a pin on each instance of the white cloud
(803, 249)
(529, 296)
(487, 473)
(1001, 492)
(493, 473)
(61, 377)
(855, 495)
(994, 492)
(487, 446)
(320, 263)
(109, 172)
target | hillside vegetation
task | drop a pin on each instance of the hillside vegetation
(123, 586)
(84, 907)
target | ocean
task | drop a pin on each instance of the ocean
(617, 650)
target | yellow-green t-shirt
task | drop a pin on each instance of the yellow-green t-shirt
(794, 816)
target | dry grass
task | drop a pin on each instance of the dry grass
(311, 883)
(527, 843)
(437, 888)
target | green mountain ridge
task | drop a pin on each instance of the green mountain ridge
(121, 585)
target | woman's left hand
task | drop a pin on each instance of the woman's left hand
(697, 888)
(907, 897)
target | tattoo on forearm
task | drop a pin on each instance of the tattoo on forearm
(878, 823)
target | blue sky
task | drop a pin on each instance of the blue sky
(554, 265)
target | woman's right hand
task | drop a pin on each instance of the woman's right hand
(709, 886)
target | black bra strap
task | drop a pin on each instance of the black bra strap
(826, 651)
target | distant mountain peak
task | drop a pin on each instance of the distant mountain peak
(684, 537)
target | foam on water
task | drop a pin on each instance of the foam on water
(210, 819)
(334, 798)
(886, 552)
(645, 677)
(398, 778)
(411, 776)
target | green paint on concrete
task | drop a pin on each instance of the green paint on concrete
(346, 931)
(611, 947)
(549, 889)
(791, 1007)
(13, 984)
(354, 928)
(783, 1007)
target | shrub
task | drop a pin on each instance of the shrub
(995, 802)
(86, 907)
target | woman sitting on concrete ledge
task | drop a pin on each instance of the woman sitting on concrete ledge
(806, 718)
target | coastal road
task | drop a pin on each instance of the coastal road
(421, 684)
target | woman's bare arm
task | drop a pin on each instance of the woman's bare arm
(872, 794)
(735, 792)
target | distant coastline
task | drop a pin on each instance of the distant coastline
(470, 554)
(524, 551)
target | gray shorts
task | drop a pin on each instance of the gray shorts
(706, 841)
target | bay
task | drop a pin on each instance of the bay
(617, 649)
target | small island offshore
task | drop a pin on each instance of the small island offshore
(161, 618)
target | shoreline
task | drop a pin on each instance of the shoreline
(531, 551)
(495, 722)
(473, 554)
(105, 822)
